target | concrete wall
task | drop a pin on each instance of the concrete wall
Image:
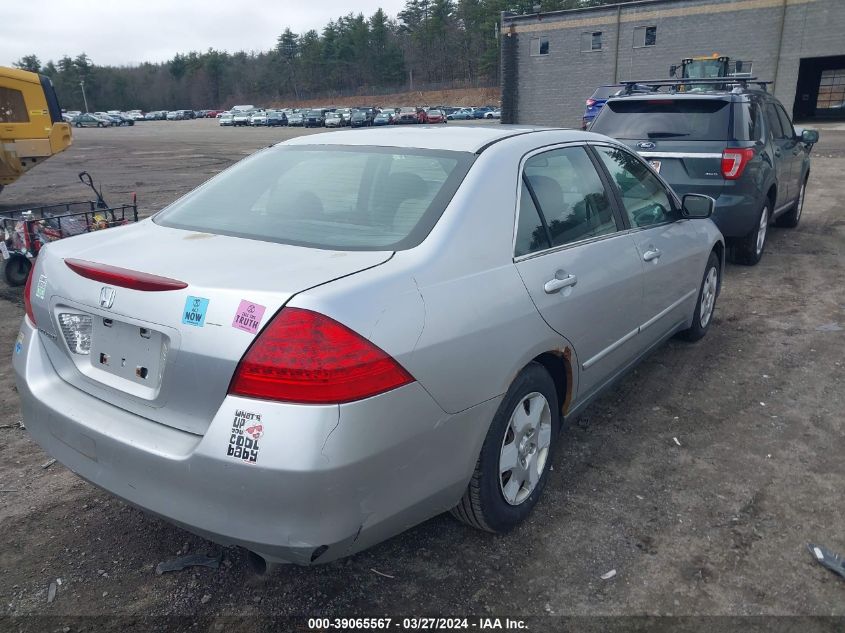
(551, 89)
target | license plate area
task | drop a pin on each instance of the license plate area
(127, 351)
(655, 164)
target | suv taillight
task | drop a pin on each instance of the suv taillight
(308, 358)
(591, 103)
(27, 298)
(734, 162)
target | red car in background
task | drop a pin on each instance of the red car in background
(436, 116)
(411, 115)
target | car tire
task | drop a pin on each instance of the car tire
(791, 218)
(101, 124)
(706, 305)
(749, 249)
(16, 270)
(523, 432)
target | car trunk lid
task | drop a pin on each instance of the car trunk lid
(168, 355)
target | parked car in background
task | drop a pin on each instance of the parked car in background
(296, 119)
(90, 120)
(411, 115)
(258, 118)
(736, 145)
(464, 114)
(479, 113)
(241, 118)
(334, 119)
(155, 115)
(348, 381)
(276, 118)
(315, 118)
(345, 115)
(359, 119)
(135, 115)
(493, 114)
(227, 119)
(596, 101)
(384, 117)
(435, 116)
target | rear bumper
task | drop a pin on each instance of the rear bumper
(344, 477)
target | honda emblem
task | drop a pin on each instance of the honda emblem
(106, 296)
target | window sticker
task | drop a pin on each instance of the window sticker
(194, 313)
(248, 316)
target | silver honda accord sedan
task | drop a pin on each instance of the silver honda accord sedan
(305, 366)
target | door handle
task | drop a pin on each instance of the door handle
(559, 282)
(652, 253)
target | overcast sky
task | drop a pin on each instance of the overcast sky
(133, 31)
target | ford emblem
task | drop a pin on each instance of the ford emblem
(646, 145)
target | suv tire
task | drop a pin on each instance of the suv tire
(523, 433)
(791, 218)
(749, 249)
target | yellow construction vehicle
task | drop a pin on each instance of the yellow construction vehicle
(711, 67)
(31, 124)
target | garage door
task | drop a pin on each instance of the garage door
(831, 92)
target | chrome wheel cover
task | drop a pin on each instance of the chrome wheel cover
(761, 230)
(525, 448)
(708, 296)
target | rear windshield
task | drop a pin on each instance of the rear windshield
(330, 197)
(687, 119)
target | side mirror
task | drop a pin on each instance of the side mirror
(672, 70)
(696, 205)
(809, 137)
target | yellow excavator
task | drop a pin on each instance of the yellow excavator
(31, 125)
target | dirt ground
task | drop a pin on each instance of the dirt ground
(717, 525)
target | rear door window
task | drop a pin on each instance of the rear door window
(682, 119)
(774, 121)
(571, 195)
(748, 123)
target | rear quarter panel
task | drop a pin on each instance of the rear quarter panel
(453, 311)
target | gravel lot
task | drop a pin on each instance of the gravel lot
(717, 525)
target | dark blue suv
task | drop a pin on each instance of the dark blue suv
(595, 103)
(736, 145)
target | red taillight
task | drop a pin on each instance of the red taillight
(591, 103)
(123, 277)
(306, 357)
(27, 299)
(734, 162)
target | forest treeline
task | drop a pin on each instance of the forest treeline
(430, 43)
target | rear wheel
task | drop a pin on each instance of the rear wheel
(513, 466)
(16, 270)
(706, 305)
(791, 218)
(748, 250)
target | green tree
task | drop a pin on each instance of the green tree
(30, 63)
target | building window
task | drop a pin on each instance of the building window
(590, 41)
(831, 90)
(539, 46)
(645, 36)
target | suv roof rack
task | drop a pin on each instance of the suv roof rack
(674, 84)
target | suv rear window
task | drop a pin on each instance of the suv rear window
(330, 197)
(687, 119)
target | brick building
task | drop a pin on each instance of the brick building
(552, 62)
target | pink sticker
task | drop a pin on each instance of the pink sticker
(248, 317)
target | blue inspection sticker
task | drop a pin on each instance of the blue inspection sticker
(19, 343)
(194, 313)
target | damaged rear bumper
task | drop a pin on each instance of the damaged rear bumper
(326, 481)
